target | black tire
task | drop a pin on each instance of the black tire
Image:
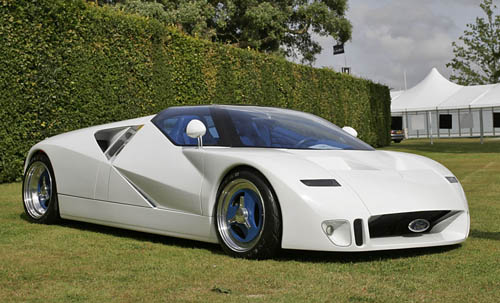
(268, 241)
(48, 211)
(397, 141)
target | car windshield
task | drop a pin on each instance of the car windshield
(248, 126)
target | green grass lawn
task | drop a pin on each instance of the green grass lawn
(77, 262)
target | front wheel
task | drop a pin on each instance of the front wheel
(39, 191)
(247, 216)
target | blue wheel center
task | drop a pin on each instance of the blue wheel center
(244, 215)
(44, 189)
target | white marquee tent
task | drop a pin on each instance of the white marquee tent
(442, 108)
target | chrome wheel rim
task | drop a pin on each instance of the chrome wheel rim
(240, 215)
(37, 189)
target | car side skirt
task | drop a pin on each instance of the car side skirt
(144, 219)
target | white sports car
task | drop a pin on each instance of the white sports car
(253, 179)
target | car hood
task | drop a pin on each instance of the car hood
(389, 182)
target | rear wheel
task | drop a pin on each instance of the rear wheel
(39, 191)
(247, 216)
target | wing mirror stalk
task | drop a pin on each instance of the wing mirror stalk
(196, 130)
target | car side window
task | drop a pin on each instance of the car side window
(211, 127)
(173, 122)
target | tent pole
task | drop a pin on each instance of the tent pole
(481, 124)
(437, 122)
(407, 128)
(459, 126)
(429, 125)
(449, 129)
(470, 113)
(493, 119)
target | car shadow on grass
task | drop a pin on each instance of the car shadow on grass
(360, 257)
(136, 235)
(474, 233)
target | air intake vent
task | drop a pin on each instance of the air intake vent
(358, 232)
(105, 137)
(111, 141)
(321, 182)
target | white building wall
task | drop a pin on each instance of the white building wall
(431, 123)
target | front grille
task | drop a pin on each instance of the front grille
(392, 225)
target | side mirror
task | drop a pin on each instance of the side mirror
(196, 130)
(351, 131)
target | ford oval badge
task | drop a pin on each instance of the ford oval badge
(419, 225)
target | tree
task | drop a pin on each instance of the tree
(477, 57)
(283, 26)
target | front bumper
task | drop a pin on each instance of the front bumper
(397, 136)
(452, 230)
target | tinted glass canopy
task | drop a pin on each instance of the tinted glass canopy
(249, 126)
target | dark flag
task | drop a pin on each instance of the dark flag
(338, 49)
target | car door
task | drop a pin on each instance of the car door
(161, 172)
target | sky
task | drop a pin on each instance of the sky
(391, 36)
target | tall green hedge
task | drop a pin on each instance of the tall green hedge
(65, 65)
